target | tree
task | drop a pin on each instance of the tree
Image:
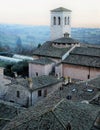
(39, 45)
(21, 68)
(8, 71)
(19, 46)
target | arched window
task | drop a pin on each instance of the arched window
(68, 20)
(59, 21)
(54, 20)
(65, 21)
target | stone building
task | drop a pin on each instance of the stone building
(3, 83)
(59, 47)
(27, 92)
(70, 60)
(83, 63)
(54, 51)
(41, 66)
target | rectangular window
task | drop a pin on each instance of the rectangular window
(39, 93)
(45, 92)
(12, 101)
(18, 94)
(36, 73)
(88, 76)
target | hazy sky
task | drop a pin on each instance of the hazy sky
(85, 13)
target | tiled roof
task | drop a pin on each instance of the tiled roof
(95, 82)
(44, 81)
(55, 112)
(77, 114)
(57, 117)
(83, 60)
(60, 9)
(7, 112)
(89, 51)
(42, 61)
(38, 82)
(66, 40)
(48, 50)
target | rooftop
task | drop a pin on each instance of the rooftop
(95, 82)
(88, 51)
(44, 81)
(38, 82)
(7, 112)
(61, 9)
(55, 111)
(42, 61)
(66, 40)
(83, 60)
(57, 117)
(48, 50)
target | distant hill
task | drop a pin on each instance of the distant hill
(87, 35)
(34, 35)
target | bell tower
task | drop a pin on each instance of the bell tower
(60, 22)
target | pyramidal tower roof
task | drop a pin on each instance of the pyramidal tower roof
(61, 9)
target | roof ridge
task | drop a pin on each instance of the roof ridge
(60, 9)
(62, 124)
(57, 104)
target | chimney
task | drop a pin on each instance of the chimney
(30, 83)
(97, 122)
(15, 73)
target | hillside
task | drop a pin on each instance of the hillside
(34, 35)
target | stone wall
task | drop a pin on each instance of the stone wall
(23, 96)
(39, 69)
(58, 70)
(79, 72)
(36, 68)
(3, 83)
(12, 94)
(48, 89)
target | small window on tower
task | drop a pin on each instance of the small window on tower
(65, 21)
(68, 20)
(59, 21)
(54, 20)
